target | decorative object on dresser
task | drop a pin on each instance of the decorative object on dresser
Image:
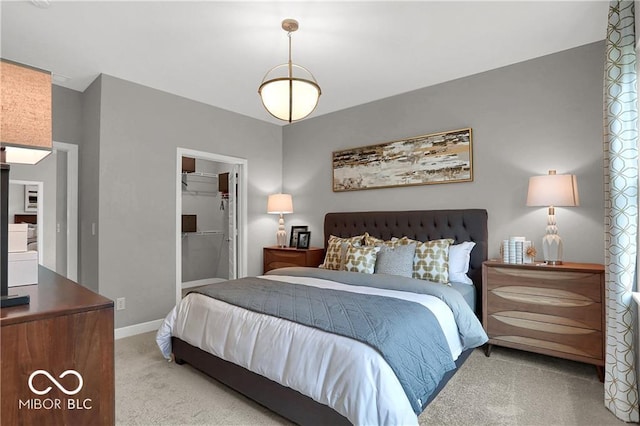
(293, 239)
(517, 250)
(25, 126)
(280, 204)
(552, 191)
(283, 257)
(421, 160)
(304, 238)
(552, 310)
(287, 95)
(67, 327)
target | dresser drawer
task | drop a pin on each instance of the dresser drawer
(546, 305)
(576, 341)
(571, 285)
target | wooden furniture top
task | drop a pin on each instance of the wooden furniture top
(54, 295)
(540, 265)
(292, 248)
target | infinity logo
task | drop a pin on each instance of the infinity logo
(55, 382)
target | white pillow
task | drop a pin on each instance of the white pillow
(459, 256)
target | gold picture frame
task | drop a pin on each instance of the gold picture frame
(444, 157)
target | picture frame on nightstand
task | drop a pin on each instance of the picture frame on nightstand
(304, 237)
(293, 239)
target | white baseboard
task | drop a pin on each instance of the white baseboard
(198, 283)
(135, 329)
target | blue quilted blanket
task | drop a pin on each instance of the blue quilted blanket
(405, 333)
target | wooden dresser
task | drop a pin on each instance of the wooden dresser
(552, 310)
(65, 327)
(281, 257)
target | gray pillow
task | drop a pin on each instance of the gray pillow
(396, 260)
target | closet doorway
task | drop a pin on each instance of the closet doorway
(211, 218)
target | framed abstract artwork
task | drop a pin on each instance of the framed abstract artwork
(443, 157)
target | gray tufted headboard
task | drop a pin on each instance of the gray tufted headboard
(421, 225)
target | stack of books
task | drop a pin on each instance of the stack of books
(514, 250)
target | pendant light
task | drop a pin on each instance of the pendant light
(287, 95)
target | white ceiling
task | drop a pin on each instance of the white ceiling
(218, 52)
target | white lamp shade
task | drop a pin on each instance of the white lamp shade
(280, 204)
(20, 155)
(553, 190)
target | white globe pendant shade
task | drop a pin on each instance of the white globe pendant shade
(288, 91)
(289, 98)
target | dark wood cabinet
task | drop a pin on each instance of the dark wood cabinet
(57, 353)
(552, 310)
(281, 257)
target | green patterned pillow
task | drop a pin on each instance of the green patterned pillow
(431, 260)
(360, 259)
(337, 249)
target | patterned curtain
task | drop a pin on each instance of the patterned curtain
(621, 210)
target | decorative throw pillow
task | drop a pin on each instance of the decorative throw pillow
(360, 259)
(396, 260)
(431, 260)
(459, 256)
(370, 240)
(336, 251)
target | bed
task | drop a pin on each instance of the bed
(334, 397)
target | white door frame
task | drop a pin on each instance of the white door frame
(242, 209)
(72, 207)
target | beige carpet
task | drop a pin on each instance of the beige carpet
(509, 388)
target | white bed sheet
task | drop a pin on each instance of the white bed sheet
(345, 374)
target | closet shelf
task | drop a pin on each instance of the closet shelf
(199, 233)
(194, 192)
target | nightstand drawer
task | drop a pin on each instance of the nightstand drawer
(283, 257)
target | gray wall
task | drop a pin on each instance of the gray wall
(140, 131)
(66, 115)
(526, 118)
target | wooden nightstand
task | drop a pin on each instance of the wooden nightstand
(281, 257)
(552, 310)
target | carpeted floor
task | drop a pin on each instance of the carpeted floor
(509, 388)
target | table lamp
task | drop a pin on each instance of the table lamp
(25, 138)
(280, 204)
(553, 190)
